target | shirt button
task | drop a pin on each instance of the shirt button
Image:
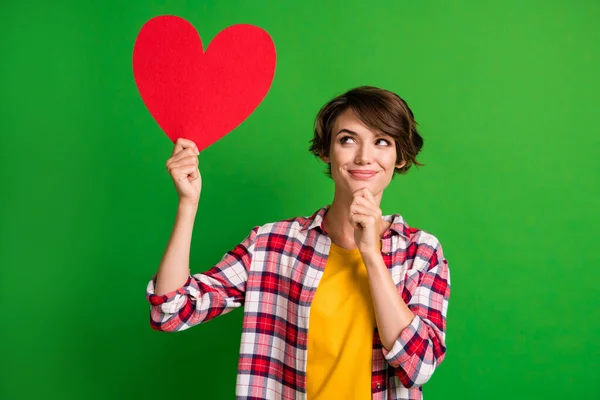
(378, 385)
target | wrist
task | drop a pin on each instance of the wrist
(187, 205)
(373, 253)
(371, 257)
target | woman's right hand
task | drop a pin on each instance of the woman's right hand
(183, 167)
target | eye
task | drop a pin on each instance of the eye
(385, 142)
(344, 139)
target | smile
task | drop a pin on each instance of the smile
(362, 175)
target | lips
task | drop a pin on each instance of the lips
(362, 174)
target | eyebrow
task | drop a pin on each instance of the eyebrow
(352, 133)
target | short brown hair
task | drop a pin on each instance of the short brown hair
(380, 110)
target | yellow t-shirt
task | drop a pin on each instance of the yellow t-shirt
(340, 334)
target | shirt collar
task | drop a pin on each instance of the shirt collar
(399, 226)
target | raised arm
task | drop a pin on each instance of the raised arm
(183, 168)
(179, 300)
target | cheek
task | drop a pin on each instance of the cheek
(339, 156)
(389, 160)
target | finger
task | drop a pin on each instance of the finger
(362, 216)
(181, 173)
(366, 202)
(358, 192)
(372, 203)
(362, 220)
(194, 175)
(190, 160)
(182, 143)
(189, 152)
(358, 209)
(354, 220)
(363, 192)
(368, 194)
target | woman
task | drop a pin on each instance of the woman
(346, 303)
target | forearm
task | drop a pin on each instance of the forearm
(391, 312)
(174, 267)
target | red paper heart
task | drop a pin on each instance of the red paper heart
(197, 95)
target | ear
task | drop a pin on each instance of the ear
(326, 159)
(402, 164)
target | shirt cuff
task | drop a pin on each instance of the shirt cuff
(410, 341)
(172, 302)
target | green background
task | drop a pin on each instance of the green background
(506, 94)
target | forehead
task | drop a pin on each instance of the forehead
(350, 121)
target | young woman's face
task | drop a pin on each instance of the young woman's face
(360, 157)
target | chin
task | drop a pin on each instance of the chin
(375, 187)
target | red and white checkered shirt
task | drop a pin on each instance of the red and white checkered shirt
(274, 274)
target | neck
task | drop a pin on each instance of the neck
(337, 222)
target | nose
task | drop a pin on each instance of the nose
(363, 155)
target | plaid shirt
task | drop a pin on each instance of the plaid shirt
(274, 274)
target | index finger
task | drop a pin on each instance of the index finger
(182, 143)
(366, 193)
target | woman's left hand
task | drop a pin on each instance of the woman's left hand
(365, 217)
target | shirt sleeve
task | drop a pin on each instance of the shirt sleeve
(204, 295)
(421, 346)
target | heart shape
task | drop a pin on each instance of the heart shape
(197, 95)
